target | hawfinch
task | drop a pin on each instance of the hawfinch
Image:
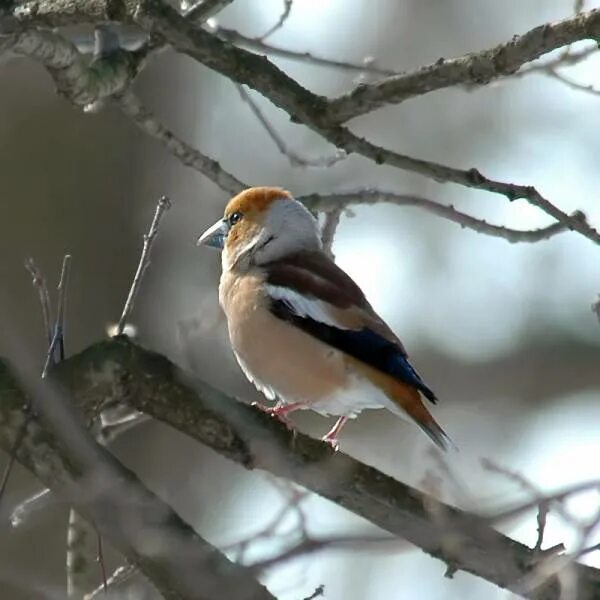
(302, 331)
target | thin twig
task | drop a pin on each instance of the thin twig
(367, 66)
(319, 591)
(39, 282)
(294, 159)
(57, 342)
(203, 10)
(130, 104)
(12, 456)
(332, 220)
(162, 206)
(120, 576)
(287, 9)
(62, 304)
(542, 517)
(329, 202)
(101, 561)
(31, 505)
(574, 85)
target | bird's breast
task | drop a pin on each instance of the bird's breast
(275, 355)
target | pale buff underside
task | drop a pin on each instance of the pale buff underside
(286, 363)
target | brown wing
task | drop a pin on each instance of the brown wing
(314, 274)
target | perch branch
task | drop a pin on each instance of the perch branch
(150, 383)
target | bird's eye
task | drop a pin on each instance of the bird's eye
(234, 218)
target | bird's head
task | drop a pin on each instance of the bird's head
(261, 224)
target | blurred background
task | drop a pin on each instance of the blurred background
(503, 332)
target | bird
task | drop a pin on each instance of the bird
(301, 329)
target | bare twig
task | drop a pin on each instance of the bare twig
(12, 454)
(574, 85)
(287, 9)
(57, 343)
(367, 66)
(476, 68)
(34, 504)
(328, 202)
(319, 591)
(596, 307)
(294, 159)
(332, 220)
(542, 516)
(62, 305)
(203, 10)
(119, 577)
(161, 207)
(100, 554)
(189, 156)
(39, 282)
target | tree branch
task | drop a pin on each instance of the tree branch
(478, 68)
(331, 202)
(64, 456)
(118, 370)
(303, 106)
(149, 124)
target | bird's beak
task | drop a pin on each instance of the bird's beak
(214, 236)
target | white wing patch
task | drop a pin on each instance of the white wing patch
(304, 306)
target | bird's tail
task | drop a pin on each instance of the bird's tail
(407, 402)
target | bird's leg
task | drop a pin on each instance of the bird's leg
(280, 411)
(331, 436)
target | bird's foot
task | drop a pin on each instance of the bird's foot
(332, 441)
(331, 436)
(279, 412)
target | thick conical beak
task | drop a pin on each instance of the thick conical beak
(214, 236)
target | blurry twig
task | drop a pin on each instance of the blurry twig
(21, 513)
(596, 307)
(294, 159)
(367, 66)
(101, 560)
(39, 282)
(58, 343)
(330, 225)
(141, 116)
(121, 575)
(287, 8)
(162, 206)
(319, 591)
(203, 10)
(13, 452)
(328, 202)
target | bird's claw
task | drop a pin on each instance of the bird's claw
(275, 412)
(331, 441)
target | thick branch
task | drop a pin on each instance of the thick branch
(476, 68)
(58, 450)
(302, 105)
(118, 370)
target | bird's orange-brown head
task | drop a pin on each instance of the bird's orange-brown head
(260, 224)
